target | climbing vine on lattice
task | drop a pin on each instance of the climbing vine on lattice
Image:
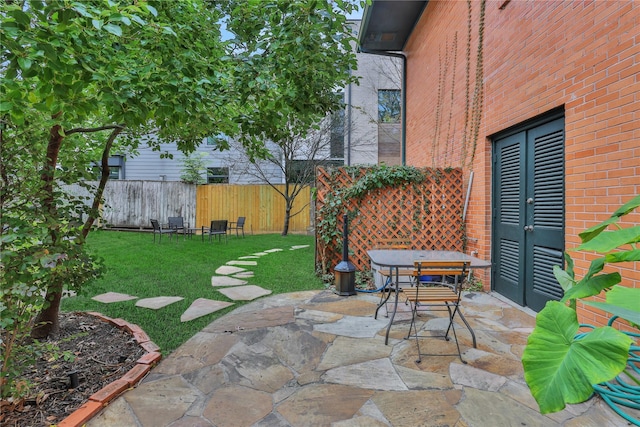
(386, 202)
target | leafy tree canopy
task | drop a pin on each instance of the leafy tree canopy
(82, 80)
(289, 60)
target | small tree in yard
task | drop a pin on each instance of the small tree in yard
(192, 166)
(302, 54)
(294, 161)
(82, 80)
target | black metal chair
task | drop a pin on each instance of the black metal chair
(218, 228)
(237, 225)
(157, 228)
(177, 223)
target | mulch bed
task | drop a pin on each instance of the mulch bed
(102, 354)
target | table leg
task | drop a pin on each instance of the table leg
(395, 303)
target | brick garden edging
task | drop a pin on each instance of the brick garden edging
(103, 397)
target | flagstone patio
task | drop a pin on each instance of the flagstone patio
(316, 358)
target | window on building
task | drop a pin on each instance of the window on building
(217, 140)
(303, 171)
(217, 175)
(389, 106)
(337, 135)
(114, 172)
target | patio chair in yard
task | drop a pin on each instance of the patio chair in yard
(237, 225)
(177, 223)
(157, 228)
(438, 295)
(218, 228)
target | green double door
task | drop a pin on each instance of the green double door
(528, 213)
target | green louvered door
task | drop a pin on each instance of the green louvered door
(528, 213)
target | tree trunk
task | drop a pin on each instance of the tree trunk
(46, 321)
(287, 218)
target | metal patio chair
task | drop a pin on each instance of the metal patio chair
(237, 225)
(177, 223)
(157, 228)
(218, 228)
(438, 288)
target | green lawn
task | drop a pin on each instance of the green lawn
(138, 266)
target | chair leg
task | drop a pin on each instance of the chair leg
(383, 300)
(473, 335)
(451, 327)
(414, 314)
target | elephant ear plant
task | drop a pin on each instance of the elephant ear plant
(562, 365)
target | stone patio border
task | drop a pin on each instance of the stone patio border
(101, 398)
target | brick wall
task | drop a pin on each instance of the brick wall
(538, 55)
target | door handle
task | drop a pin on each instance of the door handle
(528, 228)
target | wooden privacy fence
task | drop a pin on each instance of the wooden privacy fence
(429, 213)
(131, 204)
(262, 205)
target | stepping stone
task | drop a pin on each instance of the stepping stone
(202, 307)
(244, 275)
(242, 263)
(359, 375)
(245, 293)
(353, 326)
(293, 248)
(273, 250)
(110, 297)
(228, 270)
(226, 281)
(249, 257)
(157, 302)
(259, 254)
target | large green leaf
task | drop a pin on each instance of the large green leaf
(594, 231)
(630, 315)
(560, 368)
(624, 256)
(564, 279)
(625, 297)
(623, 302)
(609, 240)
(591, 286)
(628, 207)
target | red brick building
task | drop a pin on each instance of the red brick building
(558, 142)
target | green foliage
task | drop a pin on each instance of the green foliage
(287, 59)
(84, 80)
(562, 366)
(28, 261)
(193, 165)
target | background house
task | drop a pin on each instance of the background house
(558, 145)
(366, 132)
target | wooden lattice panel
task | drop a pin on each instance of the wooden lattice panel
(429, 213)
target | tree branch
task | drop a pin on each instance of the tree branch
(91, 130)
(104, 177)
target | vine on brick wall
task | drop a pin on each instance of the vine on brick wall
(473, 105)
(473, 116)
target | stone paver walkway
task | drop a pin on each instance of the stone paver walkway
(232, 279)
(317, 359)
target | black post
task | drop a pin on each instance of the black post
(345, 271)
